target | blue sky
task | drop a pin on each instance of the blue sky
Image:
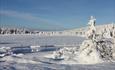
(55, 14)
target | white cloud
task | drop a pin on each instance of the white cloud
(26, 16)
(29, 17)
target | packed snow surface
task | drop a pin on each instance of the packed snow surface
(38, 60)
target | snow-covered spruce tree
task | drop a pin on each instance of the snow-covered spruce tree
(95, 49)
(100, 47)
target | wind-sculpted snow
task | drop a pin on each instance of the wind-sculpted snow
(37, 61)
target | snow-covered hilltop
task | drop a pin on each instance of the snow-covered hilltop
(105, 29)
(59, 50)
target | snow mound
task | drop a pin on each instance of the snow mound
(89, 53)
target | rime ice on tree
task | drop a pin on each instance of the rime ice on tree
(92, 50)
(92, 29)
(97, 50)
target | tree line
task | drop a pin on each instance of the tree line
(16, 31)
